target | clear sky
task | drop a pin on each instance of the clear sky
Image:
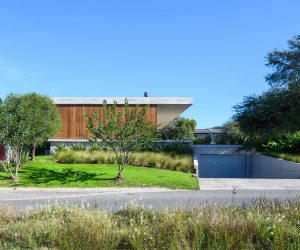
(210, 50)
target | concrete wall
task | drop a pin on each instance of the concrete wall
(255, 166)
(223, 166)
(68, 143)
(273, 168)
(219, 149)
(222, 161)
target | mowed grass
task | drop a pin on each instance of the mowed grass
(44, 172)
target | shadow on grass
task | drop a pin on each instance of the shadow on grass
(4, 177)
(65, 176)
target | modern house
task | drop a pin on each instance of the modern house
(2, 153)
(202, 133)
(162, 110)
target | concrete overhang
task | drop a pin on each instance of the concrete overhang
(168, 108)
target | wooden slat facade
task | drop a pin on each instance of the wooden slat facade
(2, 153)
(74, 125)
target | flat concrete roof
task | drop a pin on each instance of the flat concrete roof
(208, 131)
(121, 100)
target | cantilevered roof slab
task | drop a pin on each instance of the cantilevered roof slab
(168, 108)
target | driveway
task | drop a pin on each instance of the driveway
(153, 198)
(248, 183)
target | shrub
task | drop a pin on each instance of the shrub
(203, 140)
(259, 226)
(170, 161)
(286, 143)
(95, 146)
(78, 147)
(61, 147)
(25, 157)
(284, 156)
(170, 147)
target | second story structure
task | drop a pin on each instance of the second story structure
(162, 110)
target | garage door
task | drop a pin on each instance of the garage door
(222, 166)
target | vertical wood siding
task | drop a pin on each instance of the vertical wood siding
(2, 152)
(74, 125)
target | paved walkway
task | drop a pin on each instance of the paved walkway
(153, 198)
(251, 184)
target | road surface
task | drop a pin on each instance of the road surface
(153, 198)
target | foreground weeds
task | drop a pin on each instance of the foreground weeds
(260, 226)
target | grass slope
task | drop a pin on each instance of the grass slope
(284, 156)
(44, 172)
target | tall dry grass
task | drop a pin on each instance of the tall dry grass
(261, 226)
(148, 159)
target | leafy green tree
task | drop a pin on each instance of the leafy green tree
(25, 120)
(231, 134)
(44, 120)
(179, 129)
(121, 132)
(285, 65)
(276, 111)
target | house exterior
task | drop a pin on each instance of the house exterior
(162, 110)
(2, 152)
(202, 133)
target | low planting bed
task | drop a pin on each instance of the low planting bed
(44, 172)
(284, 156)
(260, 226)
(164, 160)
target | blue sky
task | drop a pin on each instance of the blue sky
(210, 50)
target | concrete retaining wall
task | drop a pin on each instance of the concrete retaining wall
(67, 142)
(86, 143)
(218, 149)
(255, 166)
(228, 157)
(273, 168)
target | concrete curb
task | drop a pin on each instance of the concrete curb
(248, 184)
(85, 190)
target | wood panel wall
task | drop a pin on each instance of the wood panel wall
(74, 125)
(2, 152)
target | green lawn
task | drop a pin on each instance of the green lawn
(44, 172)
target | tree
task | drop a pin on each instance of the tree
(22, 118)
(122, 132)
(44, 119)
(285, 65)
(276, 111)
(231, 134)
(179, 129)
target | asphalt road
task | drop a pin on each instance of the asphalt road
(156, 199)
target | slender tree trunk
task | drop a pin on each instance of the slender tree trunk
(120, 169)
(33, 152)
(15, 178)
(17, 165)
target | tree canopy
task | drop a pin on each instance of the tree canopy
(44, 119)
(179, 129)
(276, 110)
(122, 132)
(285, 65)
(26, 120)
